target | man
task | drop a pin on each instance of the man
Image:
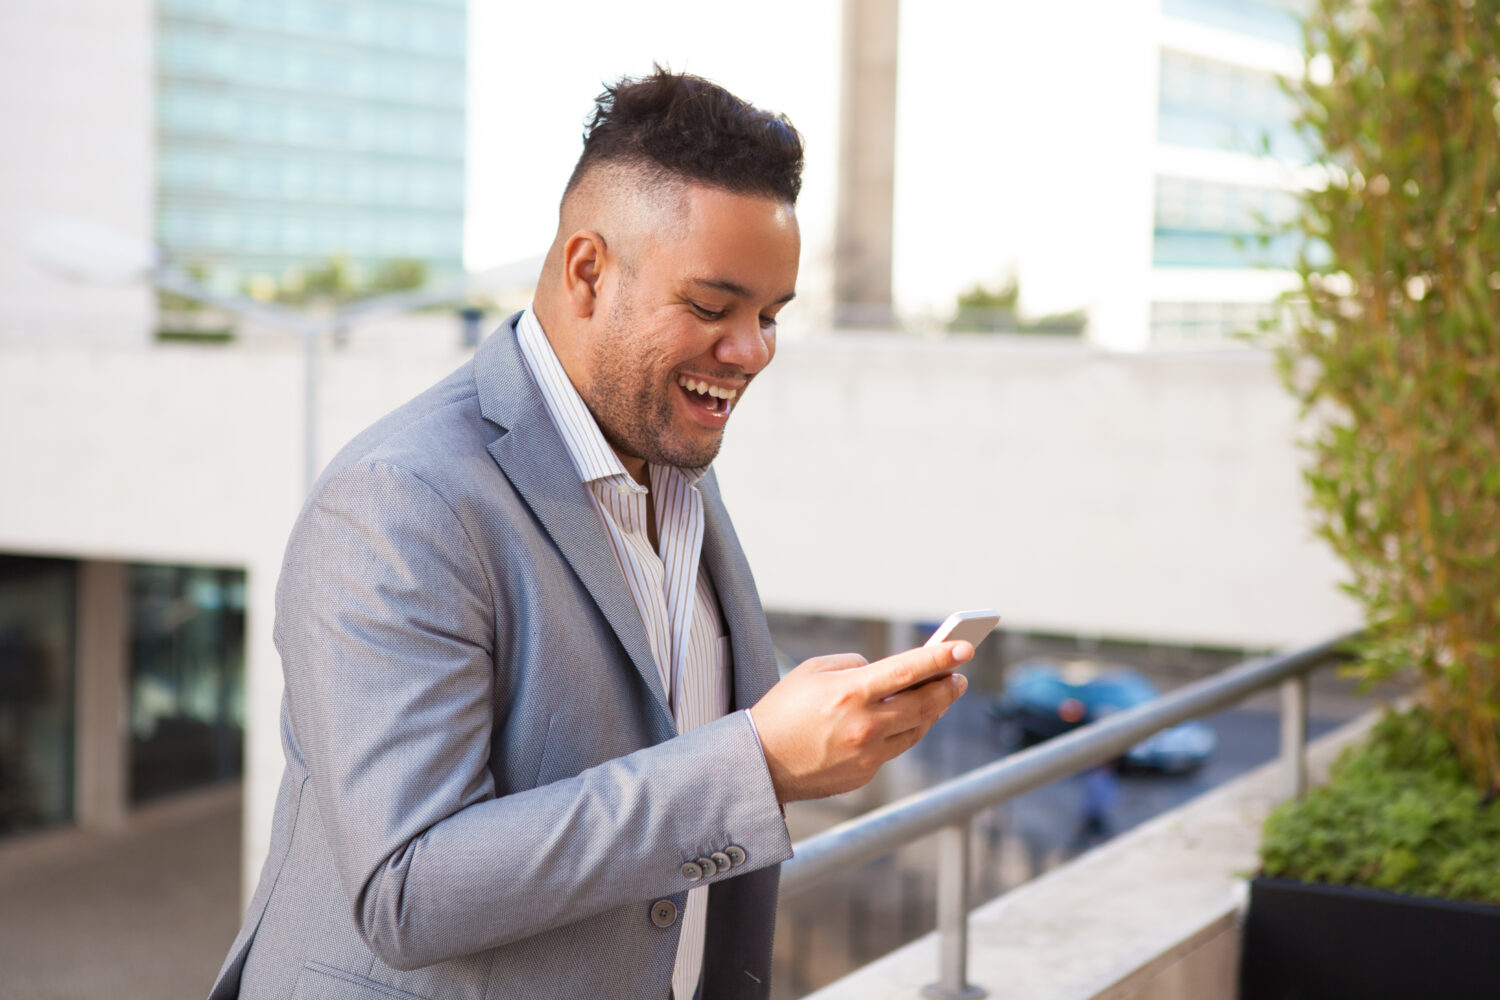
(535, 742)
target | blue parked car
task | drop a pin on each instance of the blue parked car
(1046, 699)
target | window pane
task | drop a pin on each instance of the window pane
(187, 667)
(36, 692)
(1273, 20)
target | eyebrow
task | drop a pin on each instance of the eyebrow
(735, 288)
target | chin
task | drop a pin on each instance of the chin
(688, 457)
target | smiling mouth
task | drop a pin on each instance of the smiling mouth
(709, 397)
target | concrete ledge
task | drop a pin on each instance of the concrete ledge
(1152, 915)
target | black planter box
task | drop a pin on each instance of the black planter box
(1305, 941)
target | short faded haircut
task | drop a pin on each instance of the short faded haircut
(676, 126)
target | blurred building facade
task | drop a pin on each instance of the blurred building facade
(75, 96)
(1226, 153)
(1107, 157)
(251, 139)
(289, 132)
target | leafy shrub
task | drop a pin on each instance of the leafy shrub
(1396, 350)
(1398, 814)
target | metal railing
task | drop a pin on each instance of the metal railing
(948, 808)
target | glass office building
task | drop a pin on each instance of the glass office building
(1224, 113)
(293, 131)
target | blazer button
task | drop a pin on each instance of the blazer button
(722, 860)
(736, 854)
(692, 871)
(709, 868)
(663, 913)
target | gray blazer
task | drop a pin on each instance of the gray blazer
(485, 795)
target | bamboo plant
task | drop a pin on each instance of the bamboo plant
(1393, 348)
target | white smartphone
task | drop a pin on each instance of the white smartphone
(970, 626)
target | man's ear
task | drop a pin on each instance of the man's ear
(583, 259)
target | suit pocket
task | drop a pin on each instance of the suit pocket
(320, 982)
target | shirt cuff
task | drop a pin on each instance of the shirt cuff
(751, 719)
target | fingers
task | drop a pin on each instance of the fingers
(898, 743)
(895, 674)
(919, 707)
(833, 661)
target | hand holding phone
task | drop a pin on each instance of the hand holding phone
(967, 626)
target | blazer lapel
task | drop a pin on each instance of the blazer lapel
(750, 641)
(533, 457)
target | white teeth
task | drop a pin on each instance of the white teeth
(703, 388)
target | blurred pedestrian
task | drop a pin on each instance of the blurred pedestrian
(1101, 791)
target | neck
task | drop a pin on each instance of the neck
(637, 467)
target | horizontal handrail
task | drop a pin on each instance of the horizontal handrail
(881, 831)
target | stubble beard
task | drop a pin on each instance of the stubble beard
(633, 411)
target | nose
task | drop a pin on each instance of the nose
(747, 346)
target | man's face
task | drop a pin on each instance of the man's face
(687, 324)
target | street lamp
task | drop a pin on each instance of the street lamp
(87, 251)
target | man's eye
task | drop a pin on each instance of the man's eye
(708, 314)
(766, 322)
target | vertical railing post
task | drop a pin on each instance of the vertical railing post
(1294, 736)
(953, 917)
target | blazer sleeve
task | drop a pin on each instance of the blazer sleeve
(385, 623)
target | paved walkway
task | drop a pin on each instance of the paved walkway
(143, 915)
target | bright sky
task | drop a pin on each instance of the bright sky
(1004, 141)
(535, 69)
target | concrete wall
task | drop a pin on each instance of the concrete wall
(1137, 496)
(76, 97)
(1146, 495)
(183, 455)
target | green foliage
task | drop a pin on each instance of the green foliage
(979, 297)
(189, 321)
(984, 310)
(171, 302)
(336, 282)
(398, 275)
(1396, 348)
(1398, 814)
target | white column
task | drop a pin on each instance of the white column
(102, 742)
(867, 164)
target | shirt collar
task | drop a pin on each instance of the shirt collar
(586, 445)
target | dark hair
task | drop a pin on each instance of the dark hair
(687, 126)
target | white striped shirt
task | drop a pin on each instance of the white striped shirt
(676, 602)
